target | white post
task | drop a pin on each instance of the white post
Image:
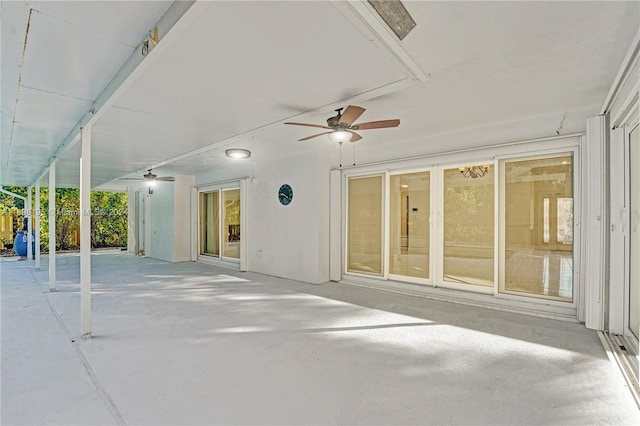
(85, 233)
(594, 226)
(37, 213)
(29, 225)
(52, 227)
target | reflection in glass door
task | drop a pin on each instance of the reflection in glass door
(365, 225)
(409, 225)
(209, 223)
(231, 224)
(634, 232)
(469, 226)
(537, 220)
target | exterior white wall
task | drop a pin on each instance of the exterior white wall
(182, 218)
(291, 241)
(169, 216)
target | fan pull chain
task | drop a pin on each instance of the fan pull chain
(340, 153)
(354, 154)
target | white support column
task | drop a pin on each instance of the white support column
(85, 233)
(52, 227)
(595, 223)
(619, 215)
(335, 226)
(37, 213)
(29, 225)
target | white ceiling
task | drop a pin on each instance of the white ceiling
(497, 71)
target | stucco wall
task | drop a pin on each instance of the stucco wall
(291, 241)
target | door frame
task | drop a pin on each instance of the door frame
(620, 243)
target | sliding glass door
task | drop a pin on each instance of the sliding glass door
(209, 223)
(440, 227)
(537, 220)
(231, 224)
(633, 293)
(219, 223)
(365, 225)
(468, 231)
(409, 224)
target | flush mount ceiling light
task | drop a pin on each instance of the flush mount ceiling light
(238, 153)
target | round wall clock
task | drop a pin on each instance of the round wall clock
(285, 195)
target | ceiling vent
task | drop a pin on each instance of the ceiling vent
(395, 15)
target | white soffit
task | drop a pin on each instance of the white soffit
(241, 67)
(72, 51)
(499, 71)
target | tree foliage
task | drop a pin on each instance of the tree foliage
(108, 216)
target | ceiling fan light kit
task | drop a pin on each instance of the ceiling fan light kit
(238, 153)
(339, 136)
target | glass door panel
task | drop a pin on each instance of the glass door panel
(634, 232)
(409, 225)
(468, 225)
(231, 223)
(365, 225)
(538, 220)
(209, 223)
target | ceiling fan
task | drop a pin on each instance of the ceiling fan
(341, 127)
(152, 177)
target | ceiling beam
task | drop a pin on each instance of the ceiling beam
(364, 17)
(177, 17)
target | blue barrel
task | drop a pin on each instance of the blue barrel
(20, 243)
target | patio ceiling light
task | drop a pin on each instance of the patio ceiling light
(238, 153)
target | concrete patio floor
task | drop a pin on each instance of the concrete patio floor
(194, 344)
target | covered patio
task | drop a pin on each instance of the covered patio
(189, 343)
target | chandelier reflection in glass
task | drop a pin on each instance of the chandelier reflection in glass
(474, 172)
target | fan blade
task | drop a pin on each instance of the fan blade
(376, 124)
(355, 138)
(131, 178)
(309, 125)
(166, 178)
(314, 136)
(351, 114)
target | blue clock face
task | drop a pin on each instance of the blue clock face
(285, 195)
